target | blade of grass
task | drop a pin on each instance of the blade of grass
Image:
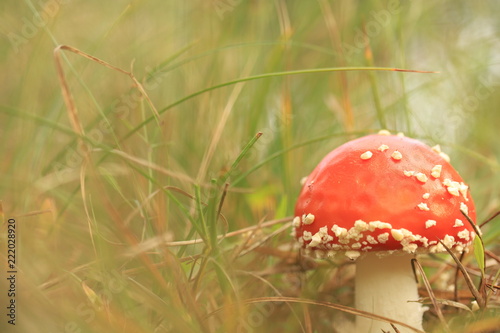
(479, 254)
(284, 151)
(204, 228)
(151, 243)
(479, 298)
(228, 108)
(478, 250)
(237, 161)
(265, 76)
(67, 94)
(329, 305)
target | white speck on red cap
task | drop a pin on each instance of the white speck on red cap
(429, 223)
(308, 219)
(339, 231)
(378, 225)
(396, 155)
(454, 188)
(445, 156)
(436, 149)
(360, 226)
(463, 190)
(383, 238)
(464, 234)
(423, 206)
(384, 132)
(421, 177)
(464, 208)
(366, 155)
(397, 234)
(436, 171)
(383, 148)
(408, 173)
(316, 239)
(449, 241)
(371, 239)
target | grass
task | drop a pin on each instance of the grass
(169, 210)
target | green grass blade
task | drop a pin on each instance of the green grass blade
(479, 253)
(266, 76)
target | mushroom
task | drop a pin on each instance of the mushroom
(380, 200)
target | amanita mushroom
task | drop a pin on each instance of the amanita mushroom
(380, 200)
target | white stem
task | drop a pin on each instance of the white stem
(384, 286)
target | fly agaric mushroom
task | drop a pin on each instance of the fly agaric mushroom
(380, 200)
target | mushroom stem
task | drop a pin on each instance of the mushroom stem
(383, 287)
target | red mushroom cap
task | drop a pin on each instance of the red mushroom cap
(384, 193)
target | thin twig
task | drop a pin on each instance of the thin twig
(489, 219)
(479, 298)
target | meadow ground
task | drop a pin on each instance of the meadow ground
(152, 187)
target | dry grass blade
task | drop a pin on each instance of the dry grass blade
(222, 122)
(68, 99)
(237, 252)
(333, 306)
(457, 305)
(265, 239)
(277, 292)
(85, 204)
(479, 298)
(477, 230)
(151, 165)
(66, 92)
(479, 254)
(150, 197)
(414, 71)
(36, 212)
(439, 313)
(151, 243)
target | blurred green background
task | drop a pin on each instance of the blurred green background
(97, 214)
